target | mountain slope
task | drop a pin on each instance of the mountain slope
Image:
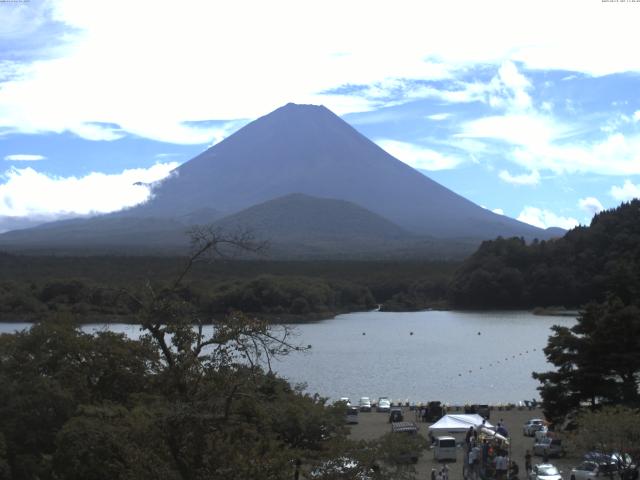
(308, 149)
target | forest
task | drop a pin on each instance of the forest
(587, 264)
(91, 287)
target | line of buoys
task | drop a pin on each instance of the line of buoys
(506, 359)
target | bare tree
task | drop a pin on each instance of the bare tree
(177, 327)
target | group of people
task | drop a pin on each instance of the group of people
(487, 457)
(442, 474)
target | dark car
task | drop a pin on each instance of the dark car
(483, 410)
(395, 415)
(434, 412)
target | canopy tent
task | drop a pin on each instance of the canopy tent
(451, 424)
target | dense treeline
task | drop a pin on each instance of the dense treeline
(91, 287)
(585, 265)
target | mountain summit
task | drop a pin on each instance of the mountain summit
(305, 179)
(308, 149)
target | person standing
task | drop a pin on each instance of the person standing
(445, 472)
(501, 466)
(468, 438)
(527, 461)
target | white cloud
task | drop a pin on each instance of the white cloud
(222, 63)
(419, 157)
(499, 211)
(540, 142)
(23, 157)
(509, 89)
(532, 178)
(439, 116)
(590, 205)
(545, 218)
(27, 192)
(626, 192)
(636, 115)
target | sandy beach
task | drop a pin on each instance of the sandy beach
(372, 425)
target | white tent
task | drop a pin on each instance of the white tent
(452, 424)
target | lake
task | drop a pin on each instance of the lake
(455, 357)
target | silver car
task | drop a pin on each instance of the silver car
(365, 404)
(545, 471)
(591, 470)
(384, 405)
(551, 447)
(532, 426)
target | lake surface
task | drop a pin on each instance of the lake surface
(455, 357)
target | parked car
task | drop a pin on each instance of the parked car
(533, 425)
(483, 410)
(589, 470)
(384, 405)
(365, 404)
(542, 433)
(552, 447)
(434, 411)
(445, 449)
(545, 471)
(352, 415)
(395, 414)
(621, 463)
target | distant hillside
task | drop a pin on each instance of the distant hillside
(298, 216)
(295, 226)
(586, 264)
(100, 234)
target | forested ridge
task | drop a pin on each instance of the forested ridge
(90, 287)
(587, 264)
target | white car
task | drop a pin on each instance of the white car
(384, 405)
(365, 404)
(545, 471)
(532, 426)
(345, 400)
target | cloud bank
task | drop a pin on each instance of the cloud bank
(27, 192)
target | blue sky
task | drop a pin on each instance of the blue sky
(530, 109)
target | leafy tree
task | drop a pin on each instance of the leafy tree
(597, 360)
(611, 429)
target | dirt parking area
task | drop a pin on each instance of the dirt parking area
(373, 425)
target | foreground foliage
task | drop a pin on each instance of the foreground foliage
(597, 360)
(610, 429)
(190, 399)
